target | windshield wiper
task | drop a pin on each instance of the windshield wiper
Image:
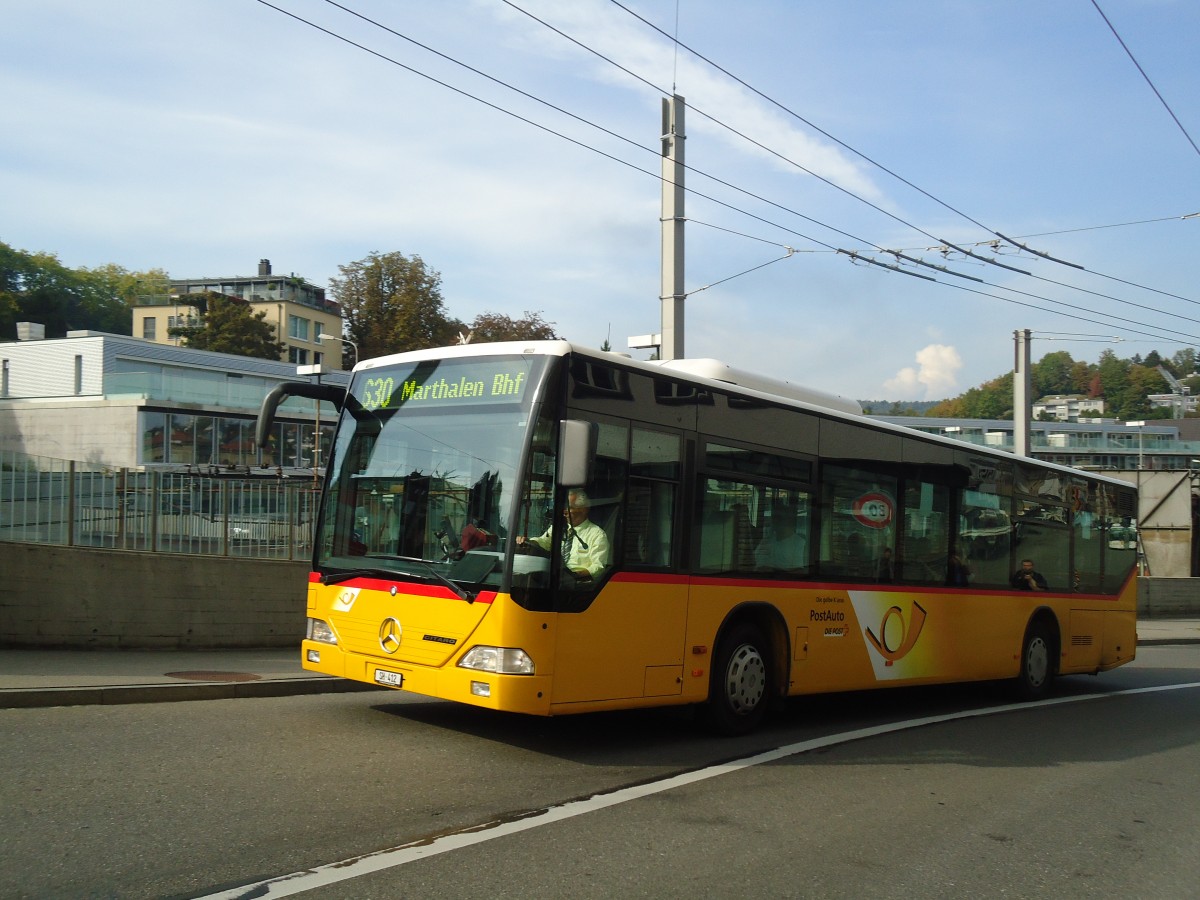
(337, 577)
(434, 573)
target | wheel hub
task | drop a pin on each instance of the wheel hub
(745, 679)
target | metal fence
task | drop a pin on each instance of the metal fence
(53, 501)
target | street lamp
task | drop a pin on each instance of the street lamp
(337, 337)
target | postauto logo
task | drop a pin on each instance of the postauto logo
(896, 636)
(904, 636)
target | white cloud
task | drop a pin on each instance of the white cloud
(935, 376)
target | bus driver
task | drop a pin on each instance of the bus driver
(585, 545)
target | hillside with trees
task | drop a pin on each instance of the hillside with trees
(1123, 384)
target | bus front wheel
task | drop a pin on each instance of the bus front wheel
(739, 690)
(1038, 652)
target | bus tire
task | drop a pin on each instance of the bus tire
(1038, 657)
(740, 683)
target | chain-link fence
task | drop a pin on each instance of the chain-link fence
(52, 501)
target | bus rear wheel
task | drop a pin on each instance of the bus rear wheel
(1037, 662)
(739, 691)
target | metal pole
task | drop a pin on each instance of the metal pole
(672, 294)
(1021, 386)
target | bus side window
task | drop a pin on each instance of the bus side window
(653, 487)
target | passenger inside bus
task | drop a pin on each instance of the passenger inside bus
(784, 548)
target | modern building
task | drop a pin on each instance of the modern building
(298, 310)
(125, 402)
(1100, 445)
(1067, 407)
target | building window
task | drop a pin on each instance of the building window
(298, 356)
(149, 328)
(298, 328)
(4, 380)
(154, 428)
(317, 332)
(78, 374)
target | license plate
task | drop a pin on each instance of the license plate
(391, 679)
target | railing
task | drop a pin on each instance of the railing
(52, 501)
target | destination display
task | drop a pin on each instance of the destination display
(453, 383)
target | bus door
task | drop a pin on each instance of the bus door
(622, 635)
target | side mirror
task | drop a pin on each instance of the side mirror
(576, 450)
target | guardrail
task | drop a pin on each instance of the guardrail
(75, 504)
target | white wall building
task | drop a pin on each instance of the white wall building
(121, 401)
(1067, 407)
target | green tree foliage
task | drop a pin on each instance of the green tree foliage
(992, 400)
(1052, 374)
(1114, 374)
(1081, 379)
(1123, 384)
(488, 327)
(37, 287)
(393, 303)
(227, 325)
(1132, 398)
(1182, 363)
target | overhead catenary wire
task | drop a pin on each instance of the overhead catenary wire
(854, 255)
(884, 168)
(1013, 241)
(1133, 59)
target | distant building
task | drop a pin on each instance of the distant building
(124, 402)
(1180, 403)
(1066, 407)
(1104, 445)
(297, 309)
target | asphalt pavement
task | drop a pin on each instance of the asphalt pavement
(37, 677)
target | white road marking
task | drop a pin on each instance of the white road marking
(332, 873)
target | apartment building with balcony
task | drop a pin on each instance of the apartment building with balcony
(298, 310)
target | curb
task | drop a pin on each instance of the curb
(113, 695)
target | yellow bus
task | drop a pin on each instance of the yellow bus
(547, 529)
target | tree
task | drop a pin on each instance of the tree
(111, 290)
(1082, 374)
(488, 327)
(1114, 375)
(1140, 382)
(1183, 363)
(1052, 374)
(37, 287)
(227, 325)
(393, 303)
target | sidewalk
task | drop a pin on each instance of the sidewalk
(36, 677)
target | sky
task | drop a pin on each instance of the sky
(515, 147)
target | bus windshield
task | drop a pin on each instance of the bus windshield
(424, 471)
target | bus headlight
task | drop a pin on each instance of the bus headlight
(501, 660)
(319, 630)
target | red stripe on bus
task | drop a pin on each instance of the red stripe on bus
(407, 587)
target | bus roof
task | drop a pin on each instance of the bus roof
(716, 374)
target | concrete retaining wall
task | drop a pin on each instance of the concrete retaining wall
(1168, 598)
(71, 597)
